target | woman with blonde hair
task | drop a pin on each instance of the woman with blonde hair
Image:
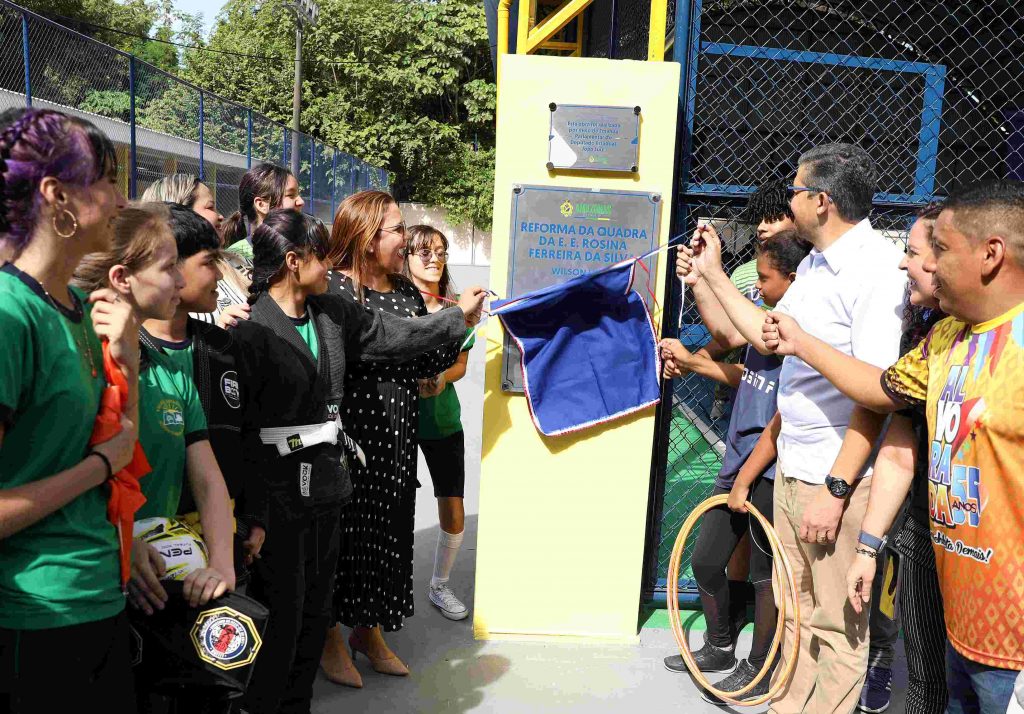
(233, 287)
(190, 192)
(373, 592)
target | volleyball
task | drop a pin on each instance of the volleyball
(182, 548)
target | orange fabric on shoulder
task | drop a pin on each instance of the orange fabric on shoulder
(125, 494)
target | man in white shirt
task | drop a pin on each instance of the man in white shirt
(849, 293)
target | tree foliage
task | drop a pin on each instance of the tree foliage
(405, 84)
(153, 18)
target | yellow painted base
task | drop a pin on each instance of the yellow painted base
(562, 520)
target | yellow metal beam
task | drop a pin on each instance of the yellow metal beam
(656, 34)
(539, 34)
(557, 45)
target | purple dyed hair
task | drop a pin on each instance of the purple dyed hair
(34, 144)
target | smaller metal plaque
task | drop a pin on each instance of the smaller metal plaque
(594, 138)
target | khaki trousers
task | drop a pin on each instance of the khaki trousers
(833, 655)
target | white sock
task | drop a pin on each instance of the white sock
(448, 545)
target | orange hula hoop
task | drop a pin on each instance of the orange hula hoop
(785, 588)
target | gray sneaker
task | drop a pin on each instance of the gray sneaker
(445, 601)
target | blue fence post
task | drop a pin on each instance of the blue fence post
(24, 53)
(312, 176)
(334, 180)
(202, 116)
(248, 139)
(132, 169)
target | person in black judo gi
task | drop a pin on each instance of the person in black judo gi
(298, 343)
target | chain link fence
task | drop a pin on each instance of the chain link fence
(617, 29)
(934, 91)
(159, 123)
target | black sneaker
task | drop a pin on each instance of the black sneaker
(708, 659)
(877, 691)
(744, 675)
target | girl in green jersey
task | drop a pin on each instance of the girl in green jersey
(142, 267)
(61, 606)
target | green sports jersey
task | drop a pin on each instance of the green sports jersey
(179, 353)
(170, 419)
(307, 330)
(64, 569)
(441, 416)
(242, 248)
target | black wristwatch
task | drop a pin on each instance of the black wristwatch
(837, 487)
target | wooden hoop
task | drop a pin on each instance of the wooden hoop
(782, 587)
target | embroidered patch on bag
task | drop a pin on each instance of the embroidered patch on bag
(305, 473)
(226, 638)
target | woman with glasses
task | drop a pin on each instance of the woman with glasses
(440, 418)
(373, 591)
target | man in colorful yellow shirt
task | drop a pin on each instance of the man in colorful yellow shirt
(969, 375)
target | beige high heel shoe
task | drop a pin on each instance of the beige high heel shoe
(337, 664)
(385, 665)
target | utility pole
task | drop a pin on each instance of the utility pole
(306, 11)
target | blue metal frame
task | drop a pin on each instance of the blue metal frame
(248, 139)
(312, 175)
(202, 117)
(133, 169)
(334, 180)
(24, 52)
(29, 18)
(931, 110)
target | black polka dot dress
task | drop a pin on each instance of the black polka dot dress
(380, 411)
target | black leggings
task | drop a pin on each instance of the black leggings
(720, 532)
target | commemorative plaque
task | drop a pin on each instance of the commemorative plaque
(594, 138)
(561, 233)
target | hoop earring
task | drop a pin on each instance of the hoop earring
(74, 224)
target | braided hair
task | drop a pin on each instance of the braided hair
(34, 144)
(284, 231)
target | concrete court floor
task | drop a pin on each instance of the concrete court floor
(453, 673)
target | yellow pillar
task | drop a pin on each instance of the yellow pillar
(562, 520)
(656, 35)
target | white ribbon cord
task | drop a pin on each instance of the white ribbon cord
(289, 439)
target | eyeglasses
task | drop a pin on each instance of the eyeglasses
(398, 229)
(426, 253)
(793, 190)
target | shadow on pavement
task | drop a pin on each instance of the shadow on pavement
(449, 672)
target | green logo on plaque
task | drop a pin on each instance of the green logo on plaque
(594, 211)
(566, 209)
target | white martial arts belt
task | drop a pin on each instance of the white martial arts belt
(289, 439)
